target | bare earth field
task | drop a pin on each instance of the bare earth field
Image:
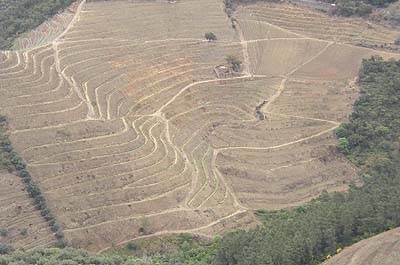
(383, 249)
(130, 134)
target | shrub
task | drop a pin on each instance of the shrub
(343, 145)
(24, 174)
(55, 227)
(45, 212)
(61, 243)
(40, 202)
(33, 190)
(18, 163)
(3, 119)
(3, 232)
(59, 234)
(23, 232)
(5, 249)
(210, 36)
(234, 62)
(132, 246)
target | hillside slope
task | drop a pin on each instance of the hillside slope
(131, 134)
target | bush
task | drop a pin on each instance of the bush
(24, 231)
(59, 234)
(343, 145)
(210, 36)
(45, 212)
(132, 246)
(3, 119)
(33, 190)
(40, 202)
(55, 227)
(18, 163)
(5, 249)
(3, 232)
(234, 62)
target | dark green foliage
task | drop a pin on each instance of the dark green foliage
(17, 17)
(132, 246)
(374, 131)
(59, 234)
(305, 235)
(234, 63)
(55, 227)
(189, 251)
(3, 232)
(351, 7)
(342, 7)
(5, 147)
(67, 256)
(210, 36)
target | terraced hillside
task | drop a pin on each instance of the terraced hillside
(130, 134)
(383, 249)
(48, 30)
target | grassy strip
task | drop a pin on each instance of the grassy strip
(11, 161)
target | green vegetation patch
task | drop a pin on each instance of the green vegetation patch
(67, 256)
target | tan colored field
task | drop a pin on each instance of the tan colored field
(18, 214)
(383, 249)
(130, 134)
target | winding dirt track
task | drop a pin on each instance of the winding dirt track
(130, 134)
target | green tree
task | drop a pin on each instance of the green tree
(210, 36)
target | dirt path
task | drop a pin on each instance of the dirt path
(191, 231)
(281, 145)
(281, 87)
